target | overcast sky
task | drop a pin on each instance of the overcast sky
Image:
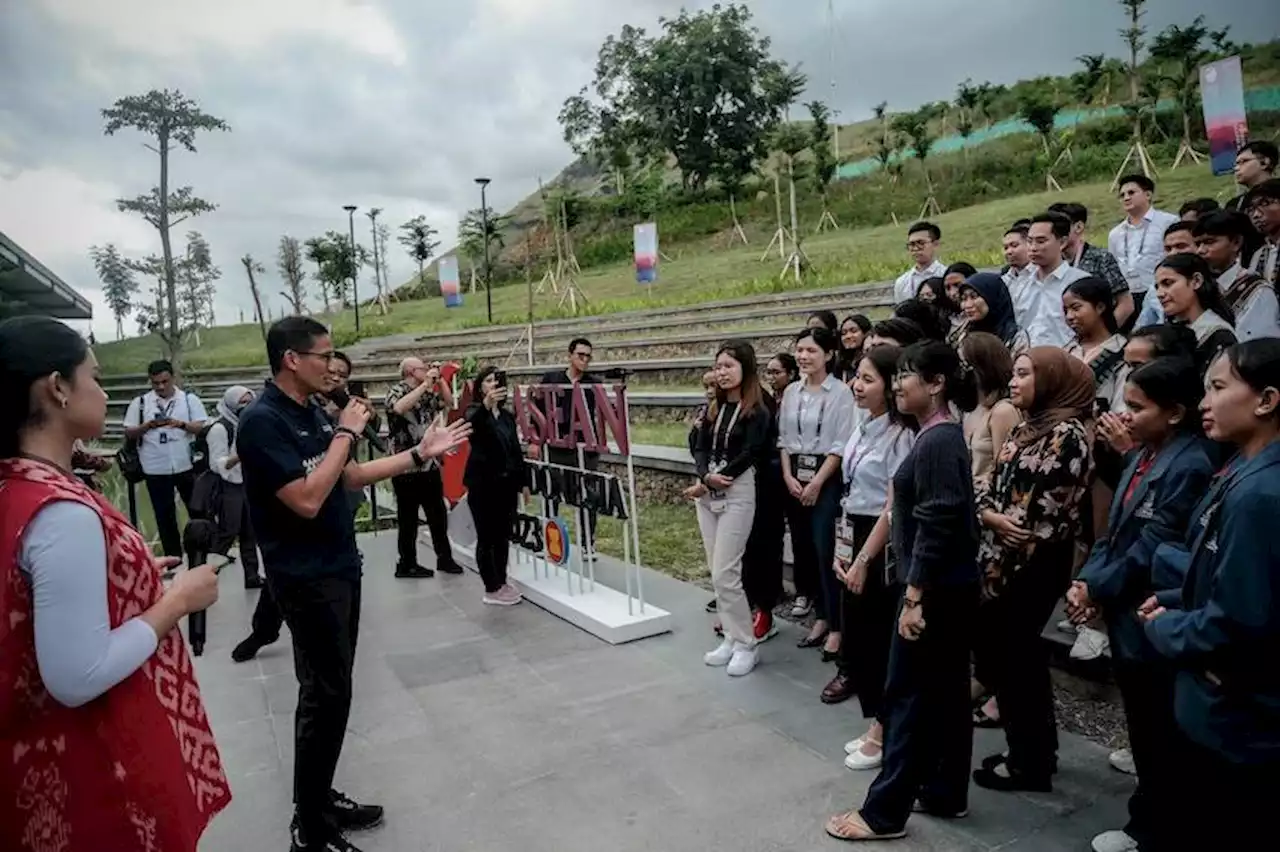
(400, 103)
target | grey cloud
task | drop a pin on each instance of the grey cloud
(316, 125)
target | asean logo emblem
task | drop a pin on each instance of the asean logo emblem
(556, 541)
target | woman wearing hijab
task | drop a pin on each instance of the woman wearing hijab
(987, 306)
(233, 508)
(1030, 514)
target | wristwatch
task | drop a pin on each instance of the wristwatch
(418, 460)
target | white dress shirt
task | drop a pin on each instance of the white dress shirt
(1260, 315)
(1020, 285)
(908, 283)
(1140, 248)
(871, 458)
(1048, 324)
(816, 422)
(167, 450)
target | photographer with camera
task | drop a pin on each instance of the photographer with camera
(412, 406)
(493, 477)
(580, 355)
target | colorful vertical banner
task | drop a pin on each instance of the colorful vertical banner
(646, 235)
(1222, 93)
(450, 284)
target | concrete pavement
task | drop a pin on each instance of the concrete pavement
(485, 728)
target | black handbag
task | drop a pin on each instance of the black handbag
(128, 459)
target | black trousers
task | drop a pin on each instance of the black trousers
(1224, 805)
(494, 512)
(590, 461)
(161, 490)
(813, 550)
(1146, 687)
(928, 732)
(762, 561)
(1013, 660)
(323, 615)
(870, 621)
(423, 489)
(234, 523)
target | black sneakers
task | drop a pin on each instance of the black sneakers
(413, 572)
(349, 815)
(246, 650)
(448, 566)
(344, 814)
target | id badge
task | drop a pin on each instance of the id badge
(806, 468)
(717, 500)
(844, 543)
(164, 437)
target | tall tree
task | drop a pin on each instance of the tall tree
(823, 158)
(1040, 113)
(706, 92)
(1180, 51)
(915, 126)
(197, 274)
(118, 282)
(289, 262)
(1133, 36)
(1088, 80)
(252, 268)
(419, 240)
(318, 253)
(381, 235)
(379, 283)
(967, 101)
(472, 235)
(172, 120)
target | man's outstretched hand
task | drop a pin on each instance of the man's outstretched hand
(439, 440)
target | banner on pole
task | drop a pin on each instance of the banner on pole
(646, 237)
(450, 284)
(1222, 93)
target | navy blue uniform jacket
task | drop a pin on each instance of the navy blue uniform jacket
(1118, 571)
(1225, 641)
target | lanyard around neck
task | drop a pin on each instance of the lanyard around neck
(822, 407)
(717, 445)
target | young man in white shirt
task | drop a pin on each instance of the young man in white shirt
(164, 421)
(1019, 271)
(1048, 240)
(1137, 241)
(1263, 207)
(1219, 239)
(1095, 260)
(922, 241)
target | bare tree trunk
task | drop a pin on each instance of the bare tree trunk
(168, 318)
(257, 297)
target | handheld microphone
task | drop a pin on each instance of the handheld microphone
(340, 398)
(197, 541)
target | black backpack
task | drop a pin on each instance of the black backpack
(200, 446)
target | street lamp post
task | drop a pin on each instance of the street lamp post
(484, 225)
(355, 289)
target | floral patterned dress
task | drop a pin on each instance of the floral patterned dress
(1040, 487)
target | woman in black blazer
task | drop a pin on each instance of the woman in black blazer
(494, 477)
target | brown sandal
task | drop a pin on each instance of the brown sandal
(852, 827)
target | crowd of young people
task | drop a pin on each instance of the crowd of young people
(1090, 428)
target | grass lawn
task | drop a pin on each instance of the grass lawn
(697, 272)
(661, 434)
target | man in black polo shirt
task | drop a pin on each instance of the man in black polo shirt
(580, 355)
(295, 459)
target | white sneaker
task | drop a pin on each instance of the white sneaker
(1090, 644)
(859, 761)
(720, 656)
(744, 659)
(1113, 841)
(1121, 760)
(855, 745)
(801, 607)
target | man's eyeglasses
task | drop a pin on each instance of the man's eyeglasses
(917, 245)
(1128, 193)
(585, 356)
(1244, 161)
(327, 357)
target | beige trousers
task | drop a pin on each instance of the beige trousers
(724, 536)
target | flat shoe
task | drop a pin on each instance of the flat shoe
(812, 641)
(1013, 782)
(852, 827)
